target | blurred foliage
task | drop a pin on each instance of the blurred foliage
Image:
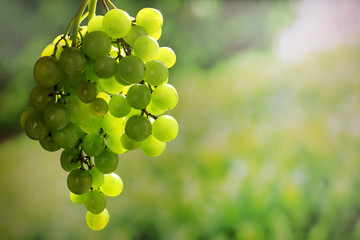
(265, 150)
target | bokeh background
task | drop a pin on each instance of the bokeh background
(269, 115)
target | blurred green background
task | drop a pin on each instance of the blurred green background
(269, 117)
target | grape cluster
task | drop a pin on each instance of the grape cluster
(102, 96)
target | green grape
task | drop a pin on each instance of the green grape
(165, 97)
(132, 113)
(79, 111)
(49, 50)
(96, 44)
(98, 107)
(116, 23)
(104, 96)
(138, 96)
(138, 128)
(25, 115)
(118, 106)
(167, 56)
(107, 161)
(90, 73)
(40, 97)
(152, 147)
(114, 143)
(91, 125)
(72, 61)
(95, 24)
(95, 201)
(113, 185)
(56, 116)
(97, 177)
(70, 159)
(165, 128)
(97, 222)
(146, 47)
(136, 31)
(105, 67)
(74, 80)
(75, 198)
(93, 144)
(113, 125)
(128, 143)
(34, 127)
(87, 92)
(156, 35)
(47, 71)
(79, 181)
(120, 79)
(156, 72)
(153, 109)
(131, 69)
(49, 144)
(67, 136)
(111, 86)
(149, 18)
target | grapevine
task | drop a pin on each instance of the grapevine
(102, 90)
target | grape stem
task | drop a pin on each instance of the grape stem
(111, 4)
(105, 6)
(92, 9)
(144, 111)
(77, 19)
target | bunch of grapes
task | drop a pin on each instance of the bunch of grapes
(100, 94)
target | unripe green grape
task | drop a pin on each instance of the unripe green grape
(90, 73)
(128, 143)
(99, 107)
(105, 67)
(97, 222)
(56, 116)
(72, 61)
(87, 92)
(113, 125)
(152, 147)
(40, 97)
(116, 23)
(136, 31)
(35, 127)
(47, 71)
(165, 128)
(118, 106)
(93, 144)
(167, 56)
(153, 109)
(24, 116)
(70, 159)
(95, 201)
(79, 181)
(131, 69)
(79, 111)
(132, 113)
(114, 143)
(67, 136)
(75, 198)
(96, 44)
(49, 144)
(149, 18)
(110, 85)
(138, 96)
(138, 128)
(74, 80)
(156, 35)
(113, 185)
(104, 96)
(165, 97)
(156, 72)
(95, 24)
(92, 124)
(49, 50)
(120, 79)
(97, 177)
(146, 47)
(107, 161)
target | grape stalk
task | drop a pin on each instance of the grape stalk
(101, 91)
